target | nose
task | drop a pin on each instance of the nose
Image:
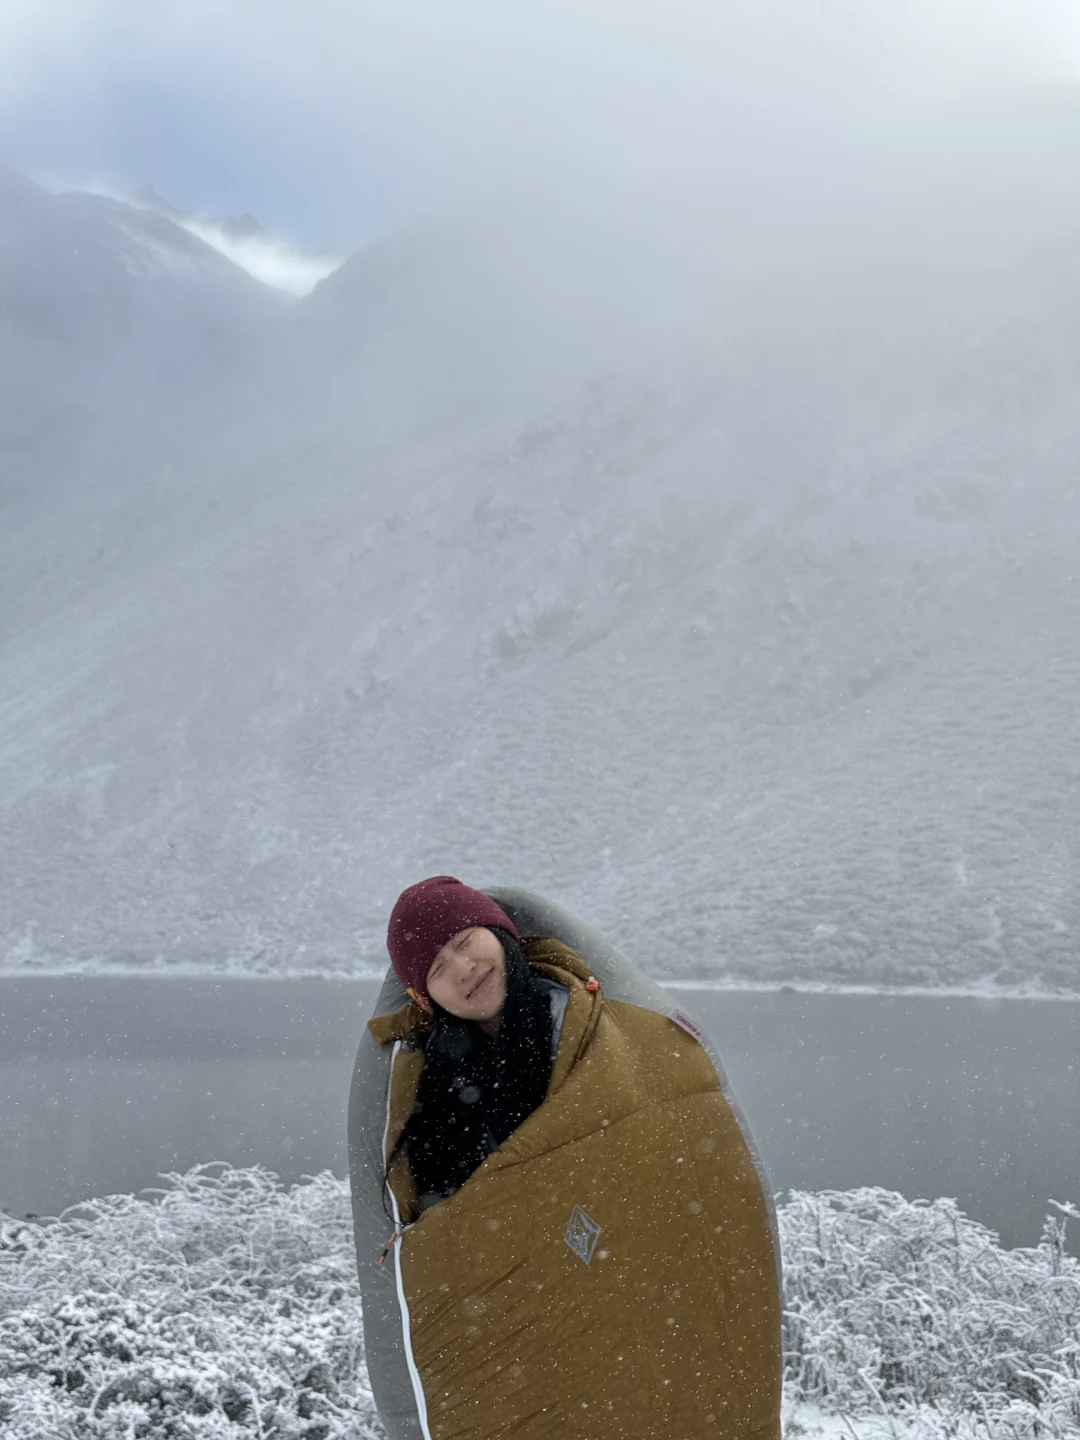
(466, 968)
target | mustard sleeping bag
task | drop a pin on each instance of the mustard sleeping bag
(611, 1270)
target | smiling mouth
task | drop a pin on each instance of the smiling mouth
(480, 984)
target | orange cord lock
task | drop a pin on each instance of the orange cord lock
(592, 984)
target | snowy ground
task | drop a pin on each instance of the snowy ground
(225, 1306)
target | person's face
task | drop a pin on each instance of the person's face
(468, 975)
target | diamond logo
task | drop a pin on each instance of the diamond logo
(582, 1233)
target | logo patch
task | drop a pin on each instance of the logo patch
(685, 1023)
(582, 1233)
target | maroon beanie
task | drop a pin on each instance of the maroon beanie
(426, 916)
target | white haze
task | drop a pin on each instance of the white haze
(421, 105)
(675, 510)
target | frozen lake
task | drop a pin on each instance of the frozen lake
(105, 1083)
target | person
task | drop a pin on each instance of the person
(582, 1244)
(495, 1024)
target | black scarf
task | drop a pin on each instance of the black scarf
(476, 1089)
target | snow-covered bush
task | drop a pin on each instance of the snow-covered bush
(911, 1307)
(226, 1306)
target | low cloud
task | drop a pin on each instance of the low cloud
(272, 261)
(391, 110)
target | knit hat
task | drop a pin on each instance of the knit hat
(426, 916)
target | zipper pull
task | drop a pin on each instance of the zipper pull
(400, 1226)
(390, 1244)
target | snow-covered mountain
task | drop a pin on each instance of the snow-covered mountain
(114, 325)
(242, 239)
(733, 604)
(106, 313)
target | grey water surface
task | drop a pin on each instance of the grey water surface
(106, 1083)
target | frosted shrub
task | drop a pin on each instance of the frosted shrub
(224, 1307)
(907, 1306)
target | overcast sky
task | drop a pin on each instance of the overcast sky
(335, 120)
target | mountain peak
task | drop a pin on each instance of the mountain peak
(148, 197)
